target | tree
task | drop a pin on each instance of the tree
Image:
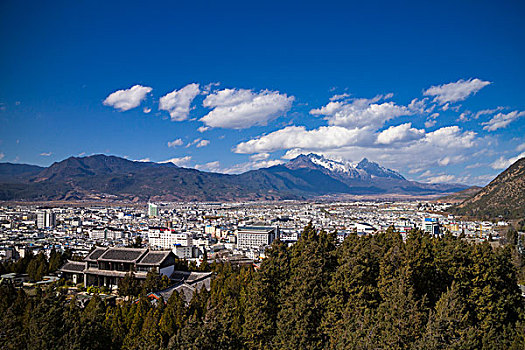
(153, 282)
(449, 325)
(173, 317)
(129, 285)
(262, 297)
(303, 299)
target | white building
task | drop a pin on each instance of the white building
(106, 234)
(256, 237)
(431, 226)
(183, 252)
(364, 228)
(45, 219)
(165, 238)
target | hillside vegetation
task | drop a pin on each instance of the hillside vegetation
(504, 196)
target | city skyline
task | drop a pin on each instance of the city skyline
(432, 91)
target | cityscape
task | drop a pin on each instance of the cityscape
(262, 175)
(239, 232)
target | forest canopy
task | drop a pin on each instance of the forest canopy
(370, 292)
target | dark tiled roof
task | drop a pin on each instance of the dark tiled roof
(189, 277)
(154, 257)
(193, 281)
(73, 266)
(95, 254)
(180, 276)
(122, 254)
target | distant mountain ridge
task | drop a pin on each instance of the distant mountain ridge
(101, 177)
(344, 169)
(504, 196)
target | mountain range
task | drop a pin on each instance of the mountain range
(102, 177)
(504, 196)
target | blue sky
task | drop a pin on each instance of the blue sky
(433, 90)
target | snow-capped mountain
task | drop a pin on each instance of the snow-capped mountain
(363, 170)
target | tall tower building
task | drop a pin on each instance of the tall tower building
(153, 210)
(45, 219)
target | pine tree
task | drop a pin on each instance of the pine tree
(399, 318)
(303, 299)
(262, 298)
(173, 317)
(449, 325)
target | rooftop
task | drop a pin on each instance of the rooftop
(122, 254)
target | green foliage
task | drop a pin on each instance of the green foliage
(154, 282)
(129, 285)
(37, 266)
(372, 292)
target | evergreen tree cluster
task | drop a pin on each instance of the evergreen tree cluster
(371, 292)
(37, 266)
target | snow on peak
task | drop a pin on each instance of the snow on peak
(363, 169)
(331, 164)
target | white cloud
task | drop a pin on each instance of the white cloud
(211, 166)
(125, 100)
(2, 155)
(175, 143)
(445, 161)
(241, 108)
(501, 120)
(146, 110)
(203, 128)
(520, 147)
(454, 92)
(415, 171)
(475, 165)
(247, 166)
(451, 137)
(208, 87)
(400, 133)
(46, 154)
(199, 142)
(430, 123)
(419, 150)
(178, 161)
(360, 112)
(260, 156)
(203, 143)
(178, 102)
(427, 173)
(441, 179)
(325, 137)
(487, 111)
(503, 163)
(449, 142)
(451, 160)
(144, 160)
(339, 97)
(422, 106)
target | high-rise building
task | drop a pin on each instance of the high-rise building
(431, 226)
(153, 210)
(256, 236)
(45, 219)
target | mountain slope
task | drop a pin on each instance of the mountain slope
(504, 196)
(107, 177)
(460, 196)
(23, 172)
